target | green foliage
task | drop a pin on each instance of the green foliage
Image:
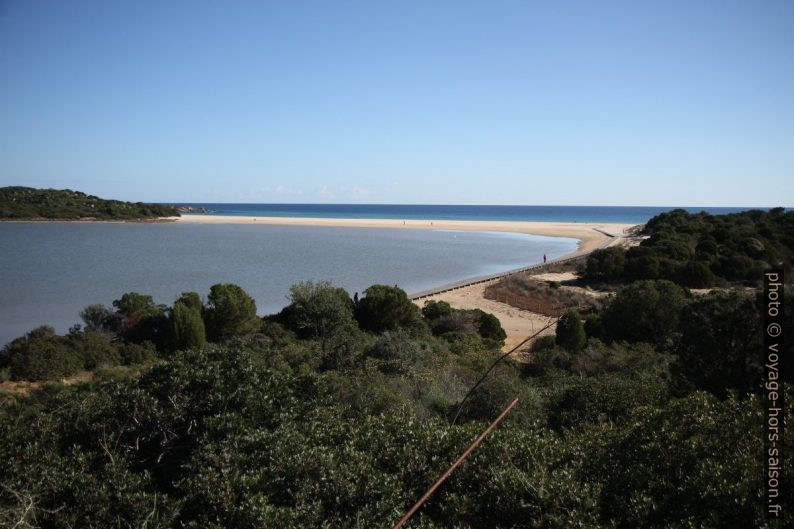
(221, 438)
(642, 263)
(692, 463)
(317, 310)
(135, 304)
(342, 349)
(570, 332)
(443, 319)
(385, 308)
(543, 343)
(188, 327)
(490, 327)
(398, 350)
(230, 312)
(608, 399)
(720, 344)
(93, 350)
(593, 327)
(695, 274)
(701, 250)
(39, 355)
(436, 309)
(101, 319)
(43, 355)
(644, 311)
(26, 202)
(140, 319)
(191, 300)
(135, 354)
(607, 263)
(304, 420)
(457, 321)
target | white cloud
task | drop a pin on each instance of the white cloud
(326, 193)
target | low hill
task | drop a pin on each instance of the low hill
(700, 250)
(28, 203)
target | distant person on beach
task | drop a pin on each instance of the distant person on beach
(544, 258)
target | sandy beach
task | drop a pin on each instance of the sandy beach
(517, 323)
(590, 235)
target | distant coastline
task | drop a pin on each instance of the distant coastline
(153, 220)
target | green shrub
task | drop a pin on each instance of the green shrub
(593, 327)
(187, 327)
(696, 274)
(433, 310)
(719, 343)
(607, 263)
(543, 343)
(317, 310)
(645, 311)
(385, 308)
(40, 355)
(570, 332)
(490, 327)
(230, 312)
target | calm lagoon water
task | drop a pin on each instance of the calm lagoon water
(50, 271)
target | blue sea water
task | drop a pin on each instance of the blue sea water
(612, 214)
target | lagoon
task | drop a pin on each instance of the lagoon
(49, 271)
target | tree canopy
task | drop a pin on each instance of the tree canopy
(700, 250)
(29, 203)
(230, 312)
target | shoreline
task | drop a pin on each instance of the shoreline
(89, 220)
(589, 235)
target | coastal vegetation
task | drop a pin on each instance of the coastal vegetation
(644, 412)
(28, 203)
(700, 250)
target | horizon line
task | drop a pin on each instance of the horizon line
(466, 204)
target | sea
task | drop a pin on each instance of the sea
(610, 214)
(49, 271)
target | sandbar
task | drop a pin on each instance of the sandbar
(590, 235)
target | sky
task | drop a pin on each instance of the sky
(662, 103)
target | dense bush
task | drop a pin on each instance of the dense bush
(385, 308)
(606, 264)
(43, 355)
(443, 319)
(719, 345)
(317, 310)
(188, 327)
(570, 332)
(434, 310)
(140, 319)
(26, 202)
(230, 312)
(306, 420)
(660, 470)
(701, 250)
(644, 311)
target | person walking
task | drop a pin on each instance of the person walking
(544, 258)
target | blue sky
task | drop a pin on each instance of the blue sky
(492, 102)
